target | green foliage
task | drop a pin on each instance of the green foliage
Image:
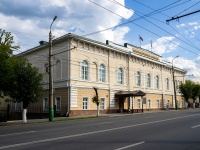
(95, 100)
(18, 78)
(189, 90)
(25, 83)
(6, 50)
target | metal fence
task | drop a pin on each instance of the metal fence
(33, 112)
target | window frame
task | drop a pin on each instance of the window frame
(120, 75)
(138, 78)
(45, 104)
(102, 73)
(85, 104)
(148, 80)
(56, 101)
(84, 70)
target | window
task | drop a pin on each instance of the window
(18, 106)
(157, 82)
(139, 105)
(149, 103)
(58, 103)
(168, 102)
(102, 73)
(176, 84)
(84, 70)
(58, 72)
(138, 79)
(45, 104)
(158, 103)
(120, 76)
(148, 80)
(167, 83)
(102, 103)
(85, 103)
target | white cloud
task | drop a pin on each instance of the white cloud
(191, 66)
(193, 23)
(181, 25)
(79, 17)
(162, 45)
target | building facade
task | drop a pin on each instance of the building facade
(80, 64)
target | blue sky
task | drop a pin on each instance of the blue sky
(29, 22)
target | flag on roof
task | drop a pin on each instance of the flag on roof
(141, 39)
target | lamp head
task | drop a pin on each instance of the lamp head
(54, 18)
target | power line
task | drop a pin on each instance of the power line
(143, 28)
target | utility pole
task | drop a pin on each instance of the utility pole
(174, 83)
(51, 111)
(176, 18)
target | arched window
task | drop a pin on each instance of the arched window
(167, 83)
(138, 79)
(84, 70)
(148, 80)
(120, 76)
(102, 73)
(157, 82)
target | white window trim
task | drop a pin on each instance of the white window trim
(104, 103)
(87, 103)
(56, 102)
(44, 103)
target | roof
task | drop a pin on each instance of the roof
(130, 93)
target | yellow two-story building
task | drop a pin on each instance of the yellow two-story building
(127, 77)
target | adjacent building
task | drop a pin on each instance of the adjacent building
(126, 76)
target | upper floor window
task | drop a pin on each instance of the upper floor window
(157, 82)
(102, 73)
(120, 76)
(148, 80)
(84, 70)
(138, 79)
(167, 83)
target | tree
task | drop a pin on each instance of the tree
(95, 100)
(195, 92)
(6, 51)
(25, 84)
(18, 78)
(186, 89)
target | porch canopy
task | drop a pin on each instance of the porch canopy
(130, 93)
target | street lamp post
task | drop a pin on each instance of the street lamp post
(51, 111)
(174, 83)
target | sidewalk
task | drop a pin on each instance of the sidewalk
(46, 120)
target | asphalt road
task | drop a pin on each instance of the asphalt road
(170, 130)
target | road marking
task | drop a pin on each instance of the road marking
(17, 133)
(125, 147)
(196, 126)
(90, 133)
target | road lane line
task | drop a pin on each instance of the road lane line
(195, 126)
(125, 147)
(17, 133)
(90, 133)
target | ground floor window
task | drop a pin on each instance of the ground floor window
(102, 103)
(168, 103)
(45, 103)
(183, 104)
(58, 103)
(85, 103)
(139, 104)
(149, 103)
(158, 103)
